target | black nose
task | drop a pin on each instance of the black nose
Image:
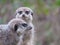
(24, 25)
(23, 15)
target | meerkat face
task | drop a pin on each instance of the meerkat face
(19, 26)
(24, 13)
(22, 28)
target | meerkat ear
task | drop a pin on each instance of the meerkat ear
(15, 27)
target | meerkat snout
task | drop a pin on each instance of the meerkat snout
(29, 28)
(26, 25)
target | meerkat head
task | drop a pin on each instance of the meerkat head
(24, 13)
(18, 25)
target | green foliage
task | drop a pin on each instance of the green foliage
(2, 1)
(46, 11)
(26, 3)
(57, 2)
(15, 4)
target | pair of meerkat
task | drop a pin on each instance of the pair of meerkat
(26, 14)
(11, 32)
(20, 30)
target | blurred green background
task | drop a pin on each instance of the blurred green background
(46, 18)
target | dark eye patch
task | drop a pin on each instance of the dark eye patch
(32, 13)
(27, 12)
(24, 25)
(20, 12)
(15, 27)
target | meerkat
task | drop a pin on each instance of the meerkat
(14, 29)
(26, 14)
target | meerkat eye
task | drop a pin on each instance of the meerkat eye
(24, 25)
(31, 13)
(27, 12)
(20, 12)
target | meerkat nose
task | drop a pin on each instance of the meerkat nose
(23, 15)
